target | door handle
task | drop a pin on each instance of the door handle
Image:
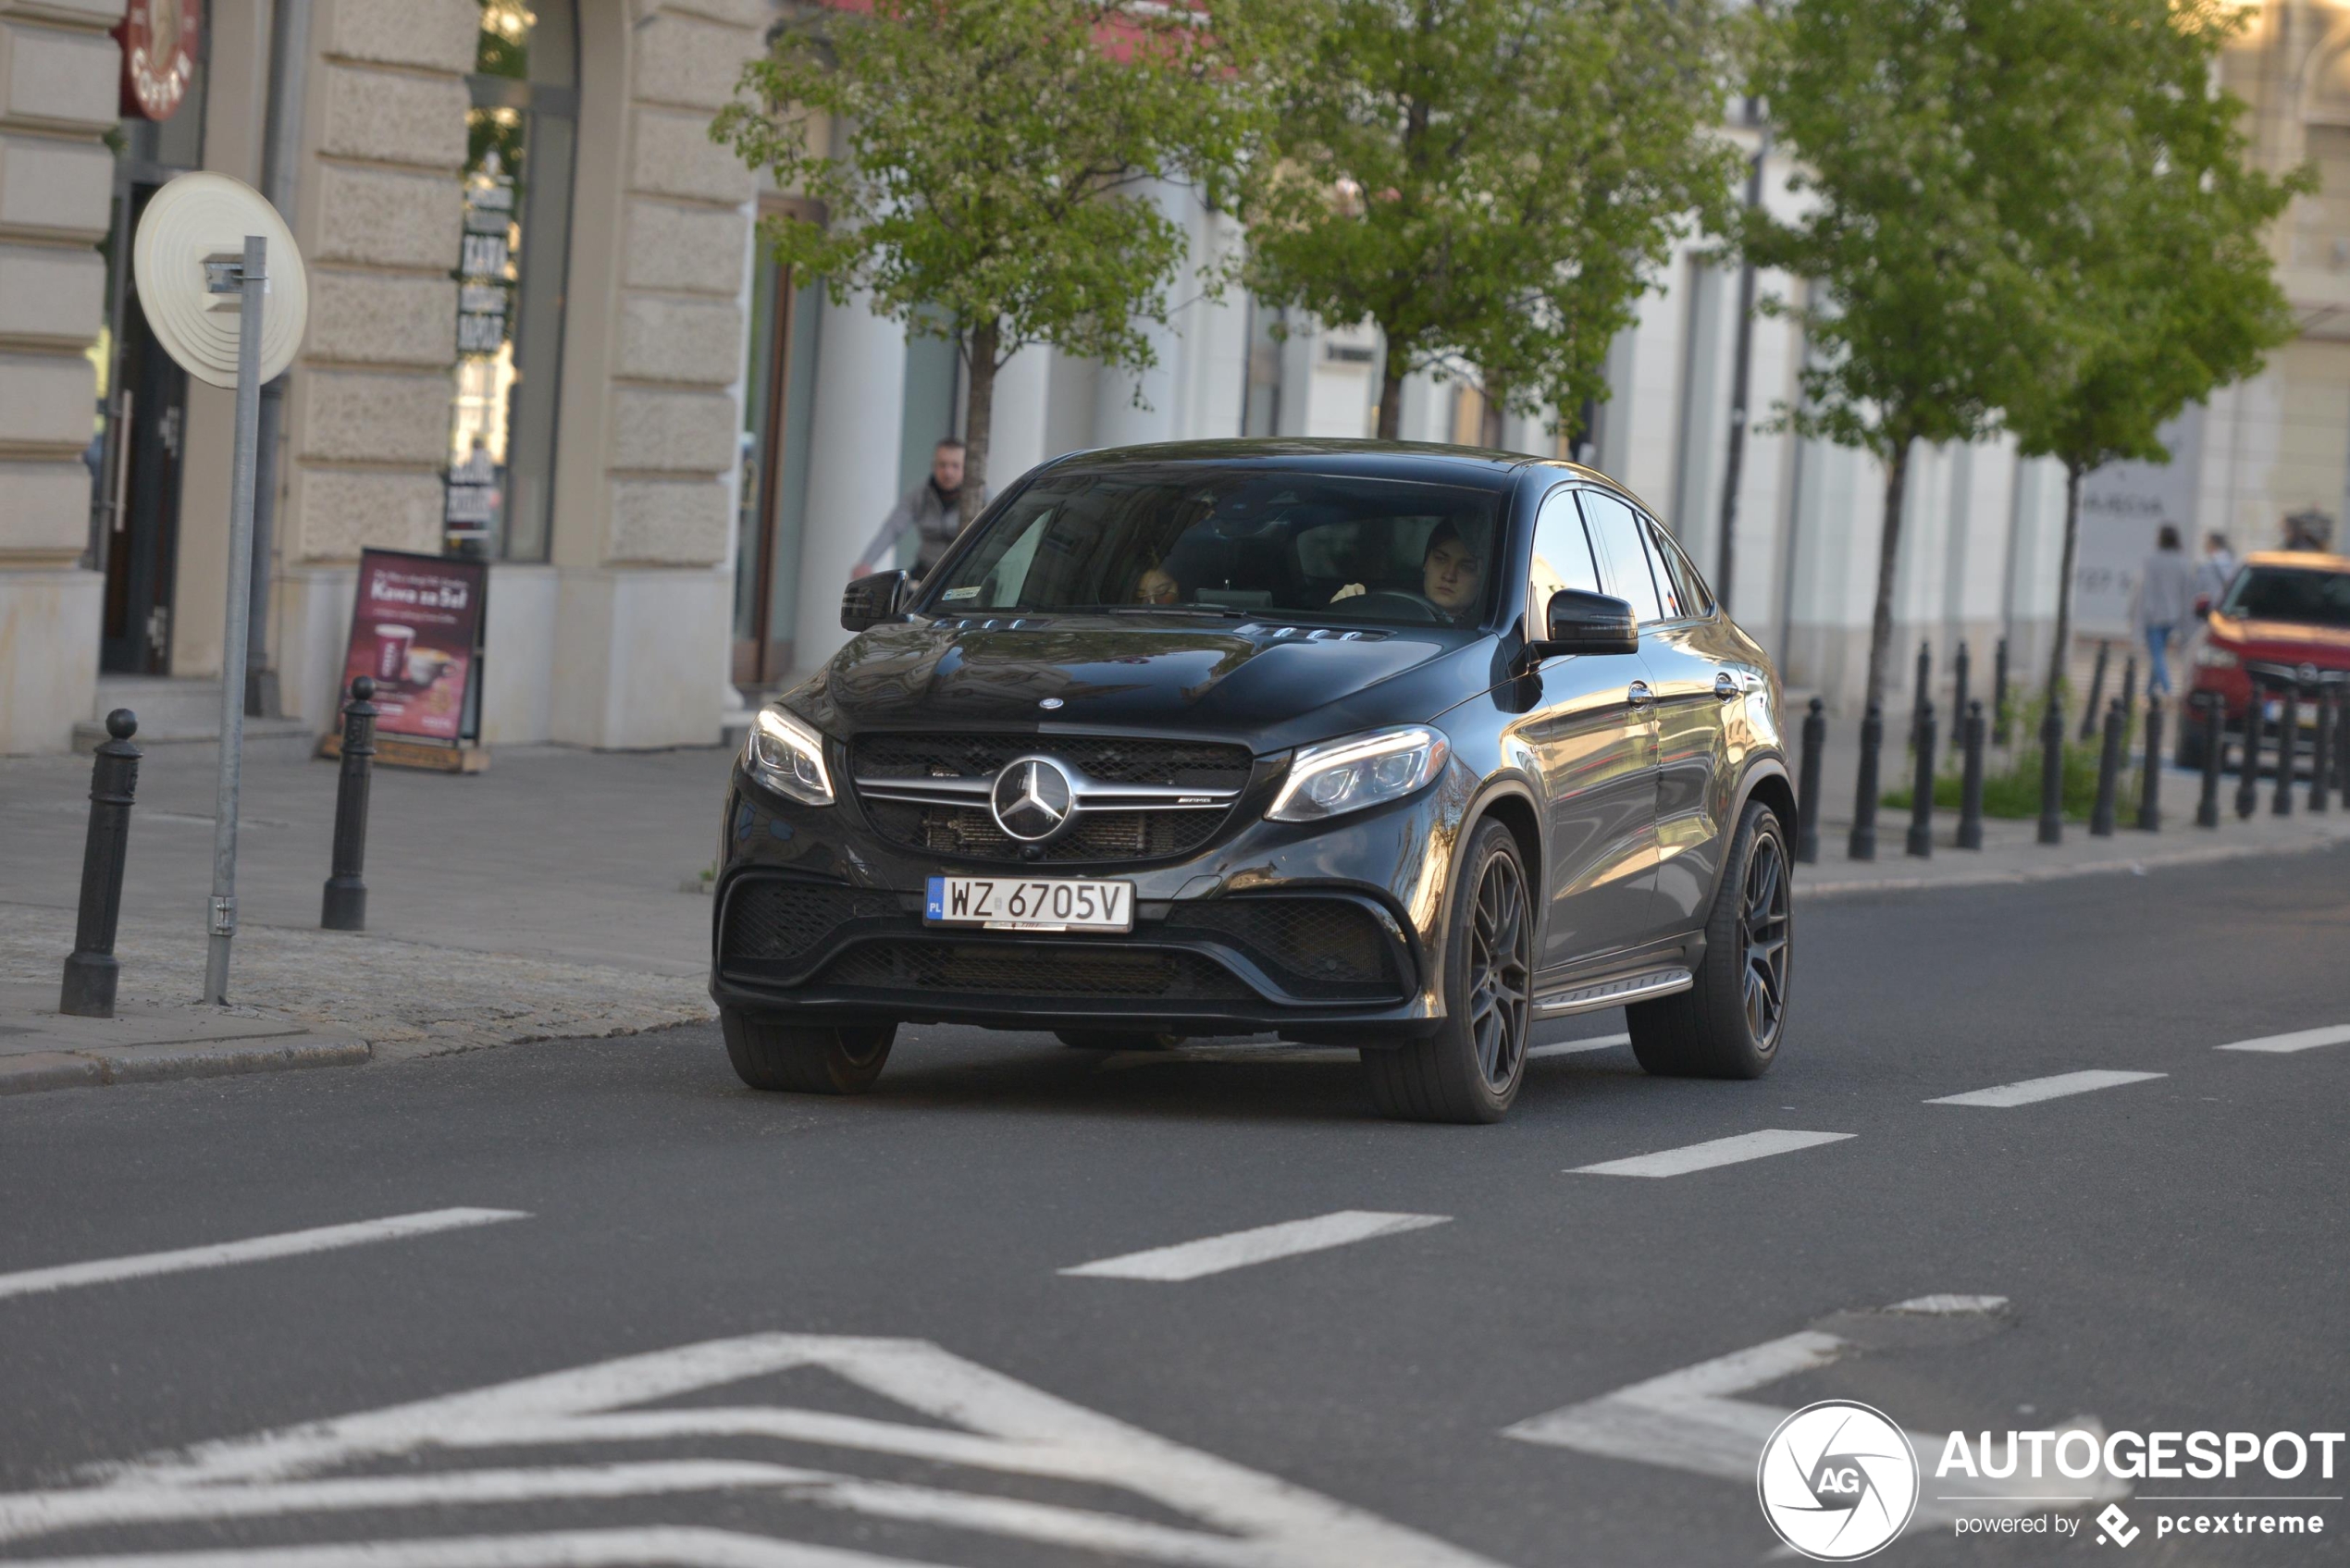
(1640, 694)
(1727, 686)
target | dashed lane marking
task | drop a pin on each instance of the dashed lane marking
(2032, 1090)
(416, 1462)
(1571, 1047)
(2303, 1039)
(1214, 1254)
(325, 1237)
(1717, 1152)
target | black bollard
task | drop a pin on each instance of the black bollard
(2096, 691)
(1971, 788)
(90, 970)
(1807, 804)
(1861, 846)
(2129, 686)
(1999, 696)
(1962, 668)
(1924, 686)
(2321, 760)
(1921, 791)
(2248, 758)
(2108, 771)
(344, 906)
(2288, 748)
(2052, 774)
(2150, 773)
(2215, 750)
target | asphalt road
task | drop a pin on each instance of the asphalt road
(894, 1366)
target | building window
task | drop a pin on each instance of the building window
(521, 135)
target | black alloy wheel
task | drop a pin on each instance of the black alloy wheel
(1471, 1068)
(1763, 920)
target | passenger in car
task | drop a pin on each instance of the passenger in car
(1157, 585)
(1450, 572)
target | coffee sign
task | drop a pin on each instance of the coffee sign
(412, 632)
(158, 39)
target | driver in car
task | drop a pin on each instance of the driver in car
(1450, 573)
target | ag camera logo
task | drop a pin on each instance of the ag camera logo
(1837, 1481)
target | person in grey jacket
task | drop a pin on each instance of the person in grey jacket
(933, 509)
(2166, 601)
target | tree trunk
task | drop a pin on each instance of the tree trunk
(1493, 408)
(2061, 655)
(979, 419)
(1391, 394)
(1896, 475)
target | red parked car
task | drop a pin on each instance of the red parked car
(2284, 614)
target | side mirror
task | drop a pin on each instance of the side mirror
(1586, 623)
(869, 602)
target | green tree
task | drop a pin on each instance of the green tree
(1913, 129)
(1487, 182)
(985, 174)
(2158, 237)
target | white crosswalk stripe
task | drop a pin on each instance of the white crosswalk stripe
(1214, 1255)
(291, 1243)
(2032, 1090)
(1715, 1152)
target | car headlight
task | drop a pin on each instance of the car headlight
(788, 756)
(1345, 775)
(2211, 655)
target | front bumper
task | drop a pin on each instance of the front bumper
(1312, 931)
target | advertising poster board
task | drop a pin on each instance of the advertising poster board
(413, 629)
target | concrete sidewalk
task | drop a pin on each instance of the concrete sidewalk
(558, 895)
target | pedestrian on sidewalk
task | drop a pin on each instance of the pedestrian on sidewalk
(2211, 577)
(933, 509)
(2166, 599)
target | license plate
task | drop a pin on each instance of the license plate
(1029, 904)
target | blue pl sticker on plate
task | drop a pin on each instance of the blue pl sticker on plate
(934, 901)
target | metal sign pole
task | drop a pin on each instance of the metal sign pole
(247, 279)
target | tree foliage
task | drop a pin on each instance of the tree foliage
(986, 169)
(1487, 181)
(2158, 239)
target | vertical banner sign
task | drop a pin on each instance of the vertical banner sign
(412, 632)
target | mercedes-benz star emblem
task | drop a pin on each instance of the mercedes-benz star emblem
(1031, 798)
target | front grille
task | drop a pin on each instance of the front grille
(772, 921)
(1004, 969)
(1110, 830)
(1314, 946)
(1095, 835)
(1113, 760)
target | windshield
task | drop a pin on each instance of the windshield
(2290, 593)
(1234, 542)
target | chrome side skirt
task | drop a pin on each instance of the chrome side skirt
(1616, 993)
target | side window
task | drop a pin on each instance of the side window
(1624, 559)
(1684, 589)
(1562, 557)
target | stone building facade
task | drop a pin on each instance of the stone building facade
(683, 449)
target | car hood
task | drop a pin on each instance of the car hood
(1269, 685)
(2285, 642)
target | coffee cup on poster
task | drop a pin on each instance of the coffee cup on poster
(426, 664)
(393, 644)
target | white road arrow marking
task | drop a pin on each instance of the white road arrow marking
(291, 1243)
(1684, 1420)
(1240, 1518)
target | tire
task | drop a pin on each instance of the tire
(796, 1058)
(1117, 1040)
(1470, 1069)
(1730, 1023)
(2190, 752)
